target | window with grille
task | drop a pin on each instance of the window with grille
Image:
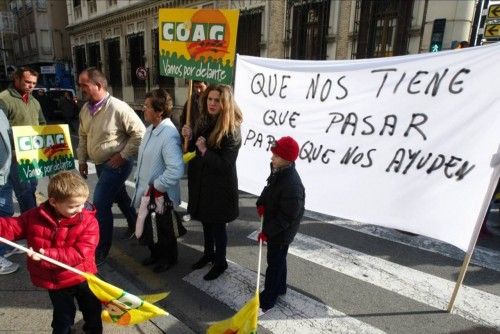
(135, 56)
(385, 34)
(46, 43)
(383, 27)
(13, 7)
(92, 6)
(41, 4)
(77, 9)
(249, 32)
(33, 41)
(24, 43)
(16, 48)
(111, 3)
(309, 28)
(78, 12)
(162, 81)
(113, 61)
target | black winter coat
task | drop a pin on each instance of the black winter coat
(283, 199)
(212, 179)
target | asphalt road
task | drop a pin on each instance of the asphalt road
(343, 277)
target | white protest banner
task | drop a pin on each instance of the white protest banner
(402, 142)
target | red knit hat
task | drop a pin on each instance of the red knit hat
(286, 148)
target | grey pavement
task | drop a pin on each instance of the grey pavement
(27, 309)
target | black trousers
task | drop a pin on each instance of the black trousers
(63, 301)
(215, 242)
(165, 250)
(275, 283)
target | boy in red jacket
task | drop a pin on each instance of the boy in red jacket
(65, 229)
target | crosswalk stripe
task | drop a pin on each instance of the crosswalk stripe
(294, 312)
(482, 256)
(472, 304)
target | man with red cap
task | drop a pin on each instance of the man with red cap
(281, 204)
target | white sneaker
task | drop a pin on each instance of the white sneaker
(13, 251)
(7, 267)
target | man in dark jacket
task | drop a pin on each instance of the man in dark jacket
(198, 88)
(68, 107)
(281, 204)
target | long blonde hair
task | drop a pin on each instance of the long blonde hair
(229, 118)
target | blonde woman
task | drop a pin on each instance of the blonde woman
(212, 179)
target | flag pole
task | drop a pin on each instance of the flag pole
(43, 257)
(188, 114)
(475, 236)
(259, 263)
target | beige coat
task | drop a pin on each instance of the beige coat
(115, 127)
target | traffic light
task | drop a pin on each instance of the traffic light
(437, 35)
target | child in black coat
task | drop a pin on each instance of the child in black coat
(281, 203)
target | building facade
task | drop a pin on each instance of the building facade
(8, 27)
(120, 36)
(40, 40)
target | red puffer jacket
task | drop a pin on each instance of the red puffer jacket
(72, 241)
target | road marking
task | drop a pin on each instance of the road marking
(294, 313)
(471, 304)
(482, 256)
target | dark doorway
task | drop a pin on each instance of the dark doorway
(136, 58)
(80, 59)
(94, 55)
(114, 73)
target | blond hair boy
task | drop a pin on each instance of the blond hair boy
(65, 229)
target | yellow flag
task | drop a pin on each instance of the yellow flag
(188, 156)
(243, 322)
(121, 307)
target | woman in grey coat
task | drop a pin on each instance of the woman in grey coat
(160, 166)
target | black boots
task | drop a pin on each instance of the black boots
(149, 261)
(161, 267)
(215, 272)
(202, 262)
